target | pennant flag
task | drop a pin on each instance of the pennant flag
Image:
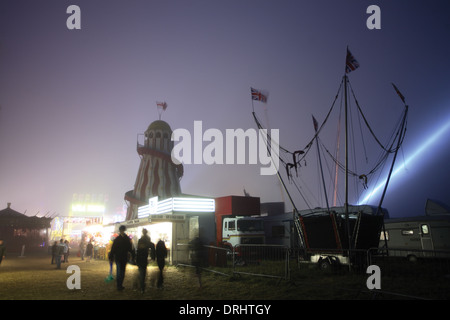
(161, 105)
(399, 93)
(258, 96)
(316, 124)
(351, 64)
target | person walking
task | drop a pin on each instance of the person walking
(82, 247)
(59, 252)
(54, 248)
(144, 247)
(66, 251)
(89, 251)
(197, 257)
(2, 250)
(119, 253)
(161, 254)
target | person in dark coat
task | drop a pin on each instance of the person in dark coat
(2, 250)
(161, 254)
(197, 257)
(54, 248)
(144, 247)
(89, 251)
(119, 252)
(59, 253)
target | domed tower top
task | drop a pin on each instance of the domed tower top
(158, 175)
(159, 125)
(158, 136)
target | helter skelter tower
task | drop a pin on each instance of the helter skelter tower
(158, 175)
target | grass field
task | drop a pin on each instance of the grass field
(33, 277)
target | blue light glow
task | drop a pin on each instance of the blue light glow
(422, 148)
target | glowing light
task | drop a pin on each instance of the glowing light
(422, 148)
(79, 207)
(177, 205)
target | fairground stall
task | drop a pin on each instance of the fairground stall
(176, 221)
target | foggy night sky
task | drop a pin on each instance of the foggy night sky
(73, 101)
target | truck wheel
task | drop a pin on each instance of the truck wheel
(324, 265)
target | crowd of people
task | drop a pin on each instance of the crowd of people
(60, 253)
(120, 251)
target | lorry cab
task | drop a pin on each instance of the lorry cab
(242, 230)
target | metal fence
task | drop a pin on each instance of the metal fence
(212, 258)
(404, 273)
(261, 260)
(424, 274)
(258, 260)
(420, 264)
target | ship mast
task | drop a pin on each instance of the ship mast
(346, 165)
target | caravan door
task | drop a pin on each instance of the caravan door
(425, 238)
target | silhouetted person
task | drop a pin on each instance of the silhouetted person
(82, 247)
(197, 257)
(59, 252)
(144, 247)
(89, 251)
(66, 251)
(161, 254)
(119, 252)
(54, 248)
(2, 250)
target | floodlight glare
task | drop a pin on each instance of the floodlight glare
(422, 148)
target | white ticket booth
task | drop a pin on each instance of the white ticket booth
(176, 221)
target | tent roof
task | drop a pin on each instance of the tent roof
(13, 218)
(10, 213)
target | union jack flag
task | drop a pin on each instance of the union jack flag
(258, 96)
(351, 64)
(162, 105)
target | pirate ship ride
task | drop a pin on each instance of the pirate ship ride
(338, 233)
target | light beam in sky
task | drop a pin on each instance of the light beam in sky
(422, 148)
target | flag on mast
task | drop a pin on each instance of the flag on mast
(399, 93)
(258, 96)
(316, 124)
(350, 64)
(162, 106)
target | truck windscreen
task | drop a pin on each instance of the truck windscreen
(249, 225)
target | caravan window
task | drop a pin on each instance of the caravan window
(407, 232)
(424, 228)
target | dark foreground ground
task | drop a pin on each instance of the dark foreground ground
(34, 278)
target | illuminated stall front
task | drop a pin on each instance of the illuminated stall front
(176, 221)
